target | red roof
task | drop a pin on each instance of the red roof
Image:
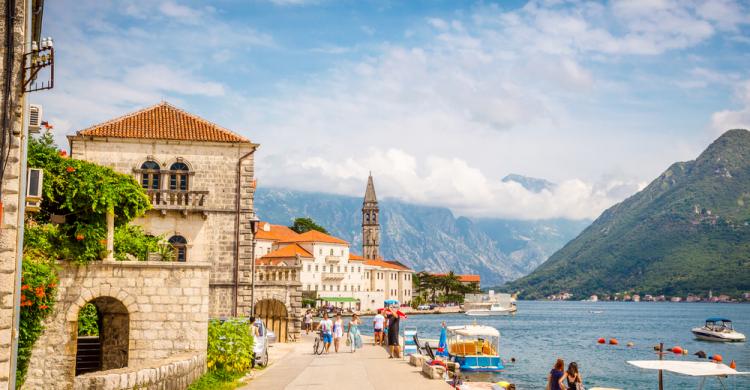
(353, 257)
(275, 233)
(288, 251)
(470, 278)
(163, 121)
(386, 264)
(316, 236)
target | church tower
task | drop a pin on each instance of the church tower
(370, 223)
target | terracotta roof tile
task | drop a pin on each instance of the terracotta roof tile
(288, 251)
(276, 233)
(316, 236)
(386, 264)
(163, 121)
(353, 257)
(469, 278)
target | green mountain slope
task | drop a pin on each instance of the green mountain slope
(686, 232)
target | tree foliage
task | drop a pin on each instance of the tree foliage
(441, 288)
(303, 225)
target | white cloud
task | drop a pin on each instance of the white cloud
(180, 12)
(452, 182)
(724, 120)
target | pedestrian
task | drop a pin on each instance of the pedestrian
(352, 333)
(338, 332)
(377, 324)
(393, 320)
(326, 327)
(575, 381)
(308, 321)
(557, 376)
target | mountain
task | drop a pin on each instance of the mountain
(530, 183)
(688, 231)
(428, 238)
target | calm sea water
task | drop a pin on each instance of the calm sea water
(542, 331)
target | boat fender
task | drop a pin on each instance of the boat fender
(717, 358)
(437, 362)
(676, 350)
(601, 341)
(613, 342)
(733, 365)
(631, 344)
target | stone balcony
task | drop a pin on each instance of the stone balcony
(183, 201)
(333, 259)
(333, 276)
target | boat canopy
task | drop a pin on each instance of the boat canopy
(687, 368)
(390, 302)
(718, 319)
(474, 330)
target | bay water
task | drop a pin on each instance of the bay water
(542, 331)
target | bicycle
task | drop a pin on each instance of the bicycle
(318, 344)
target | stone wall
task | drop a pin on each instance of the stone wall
(175, 373)
(166, 304)
(212, 233)
(10, 219)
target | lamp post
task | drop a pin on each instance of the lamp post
(254, 223)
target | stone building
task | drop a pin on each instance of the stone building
(200, 180)
(16, 40)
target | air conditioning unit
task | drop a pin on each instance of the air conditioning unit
(34, 183)
(35, 118)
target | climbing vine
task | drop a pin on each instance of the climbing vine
(71, 226)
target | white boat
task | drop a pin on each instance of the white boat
(489, 304)
(718, 329)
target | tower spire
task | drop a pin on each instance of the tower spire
(370, 222)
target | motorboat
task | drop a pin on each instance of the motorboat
(489, 304)
(718, 329)
(475, 347)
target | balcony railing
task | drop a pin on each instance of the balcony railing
(185, 201)
(333, 276)
(333, 259)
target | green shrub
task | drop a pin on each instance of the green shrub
(38, 289)
(230, 346)
(88, 320)
(215, 380)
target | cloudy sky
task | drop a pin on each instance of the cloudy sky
(439, 99)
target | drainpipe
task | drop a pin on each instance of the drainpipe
(21, 193)
(236, 268)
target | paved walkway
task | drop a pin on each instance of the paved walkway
(367, 369)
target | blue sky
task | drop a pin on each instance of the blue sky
(440, 99)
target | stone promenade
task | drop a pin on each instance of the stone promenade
(367, 369)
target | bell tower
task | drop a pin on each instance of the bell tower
(370, 223)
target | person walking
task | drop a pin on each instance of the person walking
(377, 324)
(557, 376)
(393, 320)
(326, 327)
(352, 333)
(308, 321)
(575, 381)
(338, 332)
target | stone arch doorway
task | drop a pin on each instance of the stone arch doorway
(274, 314)
(108, 348)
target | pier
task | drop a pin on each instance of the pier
(294, 367)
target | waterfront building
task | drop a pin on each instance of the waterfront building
(200, 180)
(330, 272)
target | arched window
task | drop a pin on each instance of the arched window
(179, 243)
(150, 178)
(178, 176)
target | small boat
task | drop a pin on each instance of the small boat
(718, 329)
(475, 347)
(490, 304)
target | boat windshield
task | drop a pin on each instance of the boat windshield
(719, 325)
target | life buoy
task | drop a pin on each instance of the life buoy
(438, 363)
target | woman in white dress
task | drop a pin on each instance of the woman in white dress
(338, 332)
